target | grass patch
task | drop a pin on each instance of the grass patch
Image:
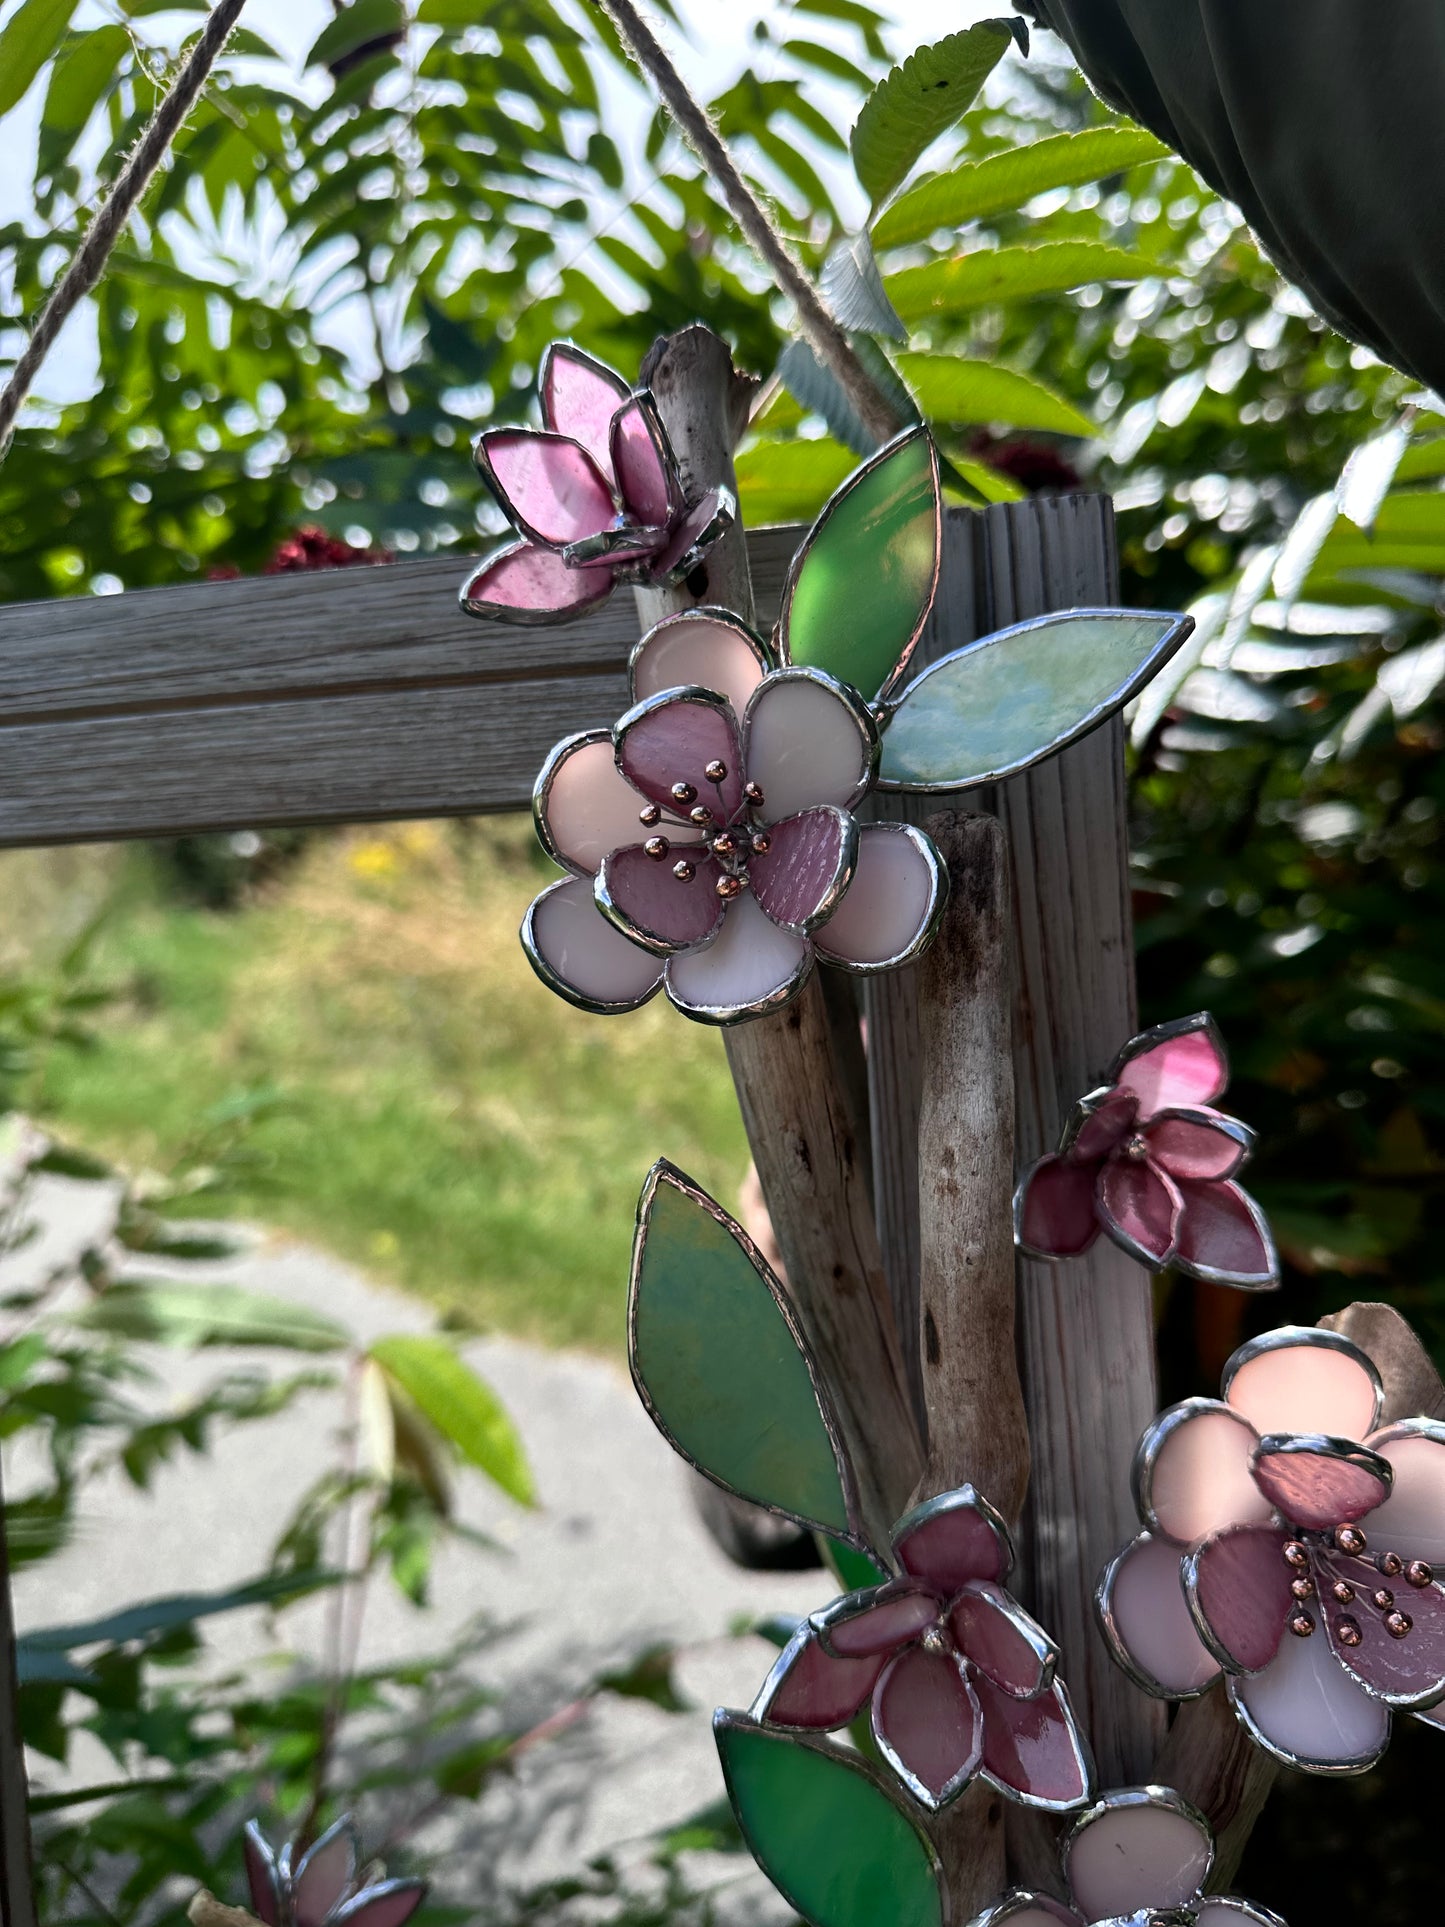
(447, 1123)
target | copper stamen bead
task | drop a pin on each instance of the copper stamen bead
(1347, 1632)
(1343, 1591)
(729, 887)
(716, 770)
(1351, 1540)
(683, 870)
(1382, 1598)
(934, 1641)
(702, 814)
(649, 814)
(683, 793)
(1301, 1625)
(762, 843)
(1302, 1588)
(1391, 1564)
(1398, 1624)
(1296, 1555)
(657, 847)
(754, 796)
(724, 844)
(1419, 1573)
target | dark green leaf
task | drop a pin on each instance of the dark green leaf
(27, 41)
(921, 99)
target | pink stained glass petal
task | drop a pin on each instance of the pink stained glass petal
(582, 956)
(645, 477)
(1302, 1380)
(702, 526)
(753, 965)
(1034, 1910)
(1185, 1070)
(550, 486)
(585, 804)
(1307, 1710)
(1316, 1489)
(325, 1875)
(890, 903)
(927, 1724)
(390, 1904)
(1240, 1586)
(812, 1689)
(672, 740)
(1191, 1144)
(261, 1876)
(807, 743)
(1196, 1472)
(1103, 1126)
(1412, 1519)
(1148, 1619)
(579, 398)
(1033, 1748)
(946, 1542)
(1404, 1670)
(656, 907)
(809, 859)
(894, 1614)
(695, 647)
(1223, 1236)
(1057, 1213)
(524, 583)
(1140, 1208)
(1224, 1910)
(1135, 1856)
(996, 1635)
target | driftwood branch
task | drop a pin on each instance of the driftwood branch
(1412, 1384)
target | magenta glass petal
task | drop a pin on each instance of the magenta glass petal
(388, 1905)
(815, 1690)
(1316, 1489)
(1058, 1213)
(1399, 1669)
(926, 1720)
(524, 582)
(1181, 1070)
(550, 486)
(640, 465)
(261, 1877)
(579, 398)
(1103, 1125)
(1140, 1208)
(673, 740)
(996, 1635)
(1240, 1584)
(1150, 1624)
(324, 1875)
(1193, 1145)
(1221, 1234)
(694, 535)
(808, 860)
(655, 906)
(1033, 1748)
(893, 1617)
(947, 1544)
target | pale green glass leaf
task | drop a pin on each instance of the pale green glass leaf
(463, 1409)
(952, 388)
(30, 37)
(1011, 698)
(839, 1849)
(720, 1363)
(786, 481)
(1002, 182)
(919, 100)
(990, 275)
(860, 587)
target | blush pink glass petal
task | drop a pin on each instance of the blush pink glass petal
(880, 1627)
(689, 541)
(389, 1905)
(820, 1692)
(1039, 1911)
(324, 1875)
(1219, 1231)
(949, 1546)
(704, 650)
(1107, 1124)
(585, 953)
(888, 904)
(658, 906)
(550, 486)
(1193, 1147)
(525, 579)
(1400, 1670)
(926, 1720)
(1032, 1747)
(673, 742)
(1139, 1206)
(751, 962)
(1152, 1623)
(1223, 1910)
(806, 744)
(997, 1636)
(1306, 1705)
(579, 398)
(1128, 1858)
(260, 1878)
(1304, 1386)
(1317, 1489)
(589, 808)
(1058, 1215)
(1412, 1519)
(1242, 1592)
(640, 467)
(1182, 1070)
(1201, 1478)
(797, 877)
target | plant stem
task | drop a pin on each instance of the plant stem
(820, 329)
(105, 230)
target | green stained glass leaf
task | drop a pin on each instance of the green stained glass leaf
(836, 1846)
(720, 1363)
(862, 583)
(1009, 699)
(854, 1569)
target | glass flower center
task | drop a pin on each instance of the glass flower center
(1318, 1586)
(730, 840)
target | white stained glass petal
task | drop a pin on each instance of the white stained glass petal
(701, 650)
(1222, 1910)
(1412, 1519)
(1136, 1855)
(751, 963)
(1304, 1386)
(582, 955)
(1200, 1480)
(1001, 703)
(1306, 1707)
(889, 903)
(805, 744)
(587, 806)
(1151, 1618)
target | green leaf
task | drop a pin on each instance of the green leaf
(649, 1677)
(860, 587)
(820, 392)
(1006, 701)
(1002, 182)
(355, 26)
(996, 275)
(720, 1364)
(27, 42)
(463, 1409)
(919, 100)
(80, 76)
(836, 1845)
(953, 388)
(167, 1312)
(786, 481)
(855, 1569)
(991, 483)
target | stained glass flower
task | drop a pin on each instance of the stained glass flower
(1138, 1858)
(711, 840)
(595, 495)
(327, 1886)
(1147, 1159)
(1291, 1544)
(958, 1679)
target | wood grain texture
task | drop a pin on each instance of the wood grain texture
(17, 1896)
(1211, 1760)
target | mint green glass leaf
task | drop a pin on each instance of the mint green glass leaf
(1009, 699)
(994, 275)
(919, 100)
(953, 388)
(463, 1409)
(837, 1847)
(1002, 182)
(720, 1364)
(854, 1569)
(861, 585)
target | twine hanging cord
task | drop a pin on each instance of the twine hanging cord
(105, 230)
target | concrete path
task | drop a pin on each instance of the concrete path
(613, 1560)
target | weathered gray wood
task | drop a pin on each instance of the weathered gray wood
(17, 1899)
